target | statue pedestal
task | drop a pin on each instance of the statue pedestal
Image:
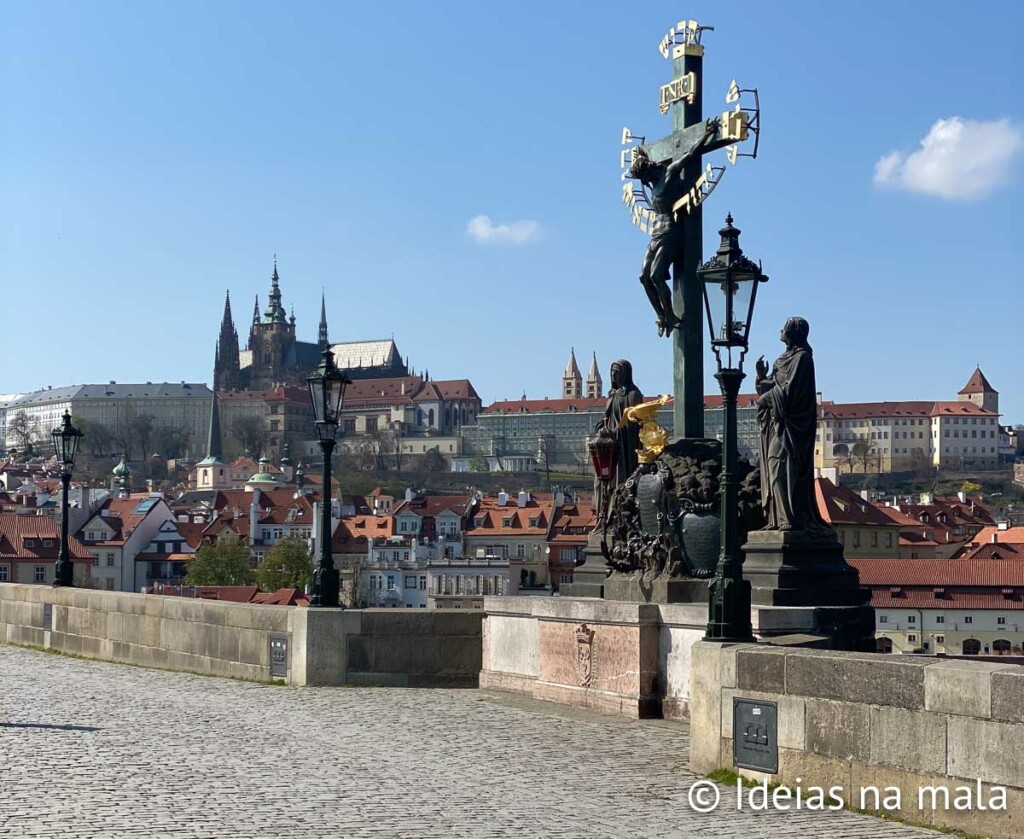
(790, 568)
(633, 588)
(588, 579)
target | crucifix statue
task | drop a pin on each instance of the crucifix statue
(668, 233)
(674, 170)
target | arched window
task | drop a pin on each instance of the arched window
(1001, 646)
(972, 647)
(430, 417)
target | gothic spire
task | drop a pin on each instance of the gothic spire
(322, 340)
(256, 311)
(213, 447)
(275, 311)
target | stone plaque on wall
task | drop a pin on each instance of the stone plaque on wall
(755, 730)
(278, 656)
(47, 617)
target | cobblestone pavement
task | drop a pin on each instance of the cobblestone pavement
(92, 749)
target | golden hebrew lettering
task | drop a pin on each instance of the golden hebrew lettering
(733, 94)
(627, 136)
(731, 152)
(626, 158)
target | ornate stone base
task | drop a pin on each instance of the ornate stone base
(634, 588)
(789, 568)
(588, 579)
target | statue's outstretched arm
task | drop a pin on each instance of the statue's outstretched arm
(710, 127)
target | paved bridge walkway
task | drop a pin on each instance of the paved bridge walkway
(89, 749)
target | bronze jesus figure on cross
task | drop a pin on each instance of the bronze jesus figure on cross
(667, 233)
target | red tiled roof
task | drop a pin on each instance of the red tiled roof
(15, 530)
(864, 410)
(561, 406)
(353, 532)
(492, 516)
(433, 505)
(534, 406)
(840, 505)
(977, 384)
(940, 572)
(926, 599)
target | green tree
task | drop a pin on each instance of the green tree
(225, 563)
(24, 429)
(479, 464)
(970, 488)
(287, 565)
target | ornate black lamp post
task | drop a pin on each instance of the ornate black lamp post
(327, 393)
(730, 283)
(65, 446)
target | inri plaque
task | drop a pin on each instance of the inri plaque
(755, 730)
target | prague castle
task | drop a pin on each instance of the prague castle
(274, 356)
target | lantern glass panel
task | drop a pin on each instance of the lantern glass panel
(743, 285)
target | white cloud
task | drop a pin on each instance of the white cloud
(960, 159)
(481, 229)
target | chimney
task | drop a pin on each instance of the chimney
(409, 494)
(524, 498)
(502, 498)
(1003, 525)
(995, 538)
(962, 496)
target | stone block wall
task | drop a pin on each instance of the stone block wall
(218, 638)
(859, 720)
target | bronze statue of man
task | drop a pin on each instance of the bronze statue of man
(787, 413)
(667, 234)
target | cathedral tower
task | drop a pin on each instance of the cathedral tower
(572, 379)
(226, 369)
(595, 387)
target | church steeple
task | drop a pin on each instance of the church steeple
(226, 368)
(321, 340)
(572, 381)
(275, 311)
(595, 386)
(210, 471)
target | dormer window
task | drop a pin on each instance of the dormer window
(506, 522)
(480, 521)
(30, 543)
(535, 521)
(47, 543)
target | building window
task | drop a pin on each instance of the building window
(96, 562)
(888, 540)
(940, 639)
(940, 619)
(410, 582)
(110, 560)
(520, 550)
(4, 574)
(391, 582)
(1001, 621)
(883, 618)
(912, 638)
(39, 574)
(423, 583)
(911, 619)
(856, 538)
(968, 619)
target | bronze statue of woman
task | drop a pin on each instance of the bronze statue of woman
(787, 413)
(623, 394)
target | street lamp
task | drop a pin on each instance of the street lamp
(604, 452)
(65, 445)
(327, 393)
(730, 282)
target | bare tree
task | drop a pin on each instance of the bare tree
(863, 451)
(248, 431)
(24, 429)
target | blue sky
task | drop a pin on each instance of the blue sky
(156, 154)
